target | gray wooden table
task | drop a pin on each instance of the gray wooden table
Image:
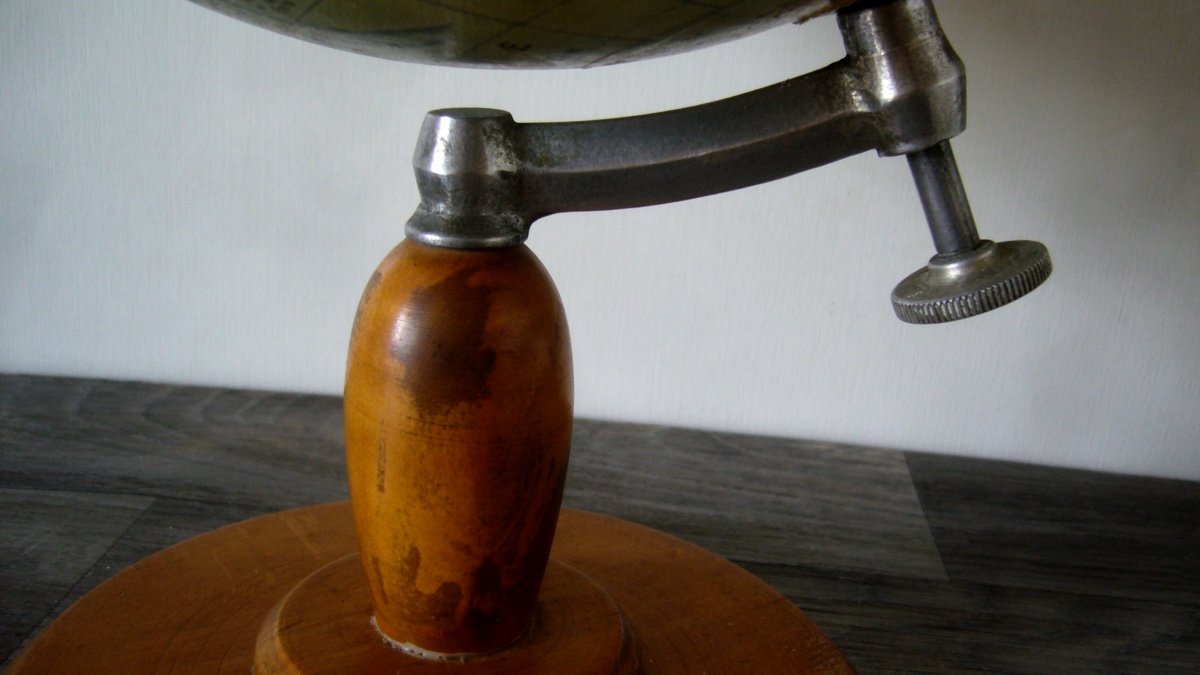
(910, 562)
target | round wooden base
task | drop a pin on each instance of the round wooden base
(322, 627)
(200, 606)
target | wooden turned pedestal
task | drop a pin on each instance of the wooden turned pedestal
(452, 557)
(318, 629)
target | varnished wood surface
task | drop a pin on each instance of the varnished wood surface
(320, 628)
(458, 411)
(620, 599)
(910, 562)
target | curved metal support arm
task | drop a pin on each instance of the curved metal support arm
(484, 178)
(670, 156)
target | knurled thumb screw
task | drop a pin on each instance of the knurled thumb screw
(968, 276)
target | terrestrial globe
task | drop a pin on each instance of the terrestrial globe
(520, 33)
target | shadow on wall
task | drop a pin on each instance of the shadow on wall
(1117, 147)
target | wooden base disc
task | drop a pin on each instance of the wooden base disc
(323, 627)
(198, 607)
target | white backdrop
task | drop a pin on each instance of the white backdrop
(184, 198)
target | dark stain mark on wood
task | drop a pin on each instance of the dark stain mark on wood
(381, 463)
(425, 608)
(452, 365)
(368, 293)
(380, 583)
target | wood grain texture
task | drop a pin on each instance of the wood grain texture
(250, 448)
(197, 607)
(887, 624)
(1109, 591)
(48, 542)
(1044, 528)
(193, 604)
(758, 499)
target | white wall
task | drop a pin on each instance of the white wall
(184, 198)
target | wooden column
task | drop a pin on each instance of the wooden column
(458, 407)
(458, 424)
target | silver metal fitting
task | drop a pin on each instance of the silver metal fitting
(953, 287)
(469, 175)
(908, 71)
(484, 179)
(901, 89)
(968, 276)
